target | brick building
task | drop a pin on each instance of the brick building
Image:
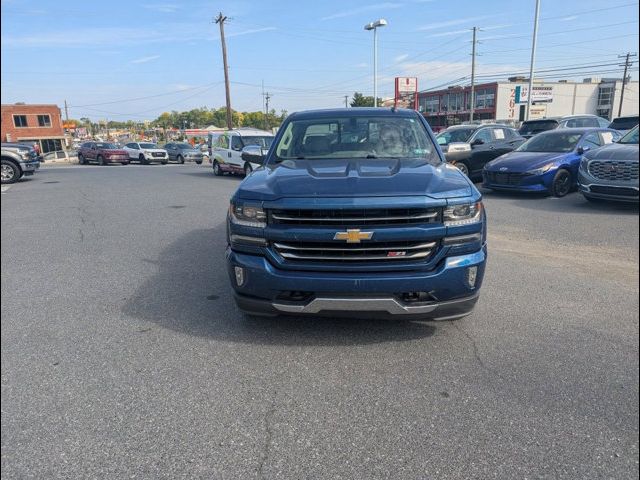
(38, 123)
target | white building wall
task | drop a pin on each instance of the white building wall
(568, 99)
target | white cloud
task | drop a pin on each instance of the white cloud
(365, 9)
(145, 59)
(450, 23)
(361, 65)
(162, 7)
(568, 19)
(402, 57)
(254, 30)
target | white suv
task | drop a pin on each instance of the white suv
(226, 149)
(146, 153)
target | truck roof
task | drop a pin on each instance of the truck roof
(354, 112)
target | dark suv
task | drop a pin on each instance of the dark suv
(102, 152)
(470, 147)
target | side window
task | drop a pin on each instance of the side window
(236, 143)
(484, 135)
(591, 140)
(223, 141)
(602, 122)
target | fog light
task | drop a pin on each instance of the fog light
(239, 276)
(472, 275)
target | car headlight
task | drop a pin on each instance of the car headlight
(584, 164)
(541, 170)
(464, 214)
(248, 216)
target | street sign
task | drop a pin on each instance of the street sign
(406, 95)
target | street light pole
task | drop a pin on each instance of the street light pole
(374, 26)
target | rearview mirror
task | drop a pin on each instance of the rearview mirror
(253, 154)
(581, 150)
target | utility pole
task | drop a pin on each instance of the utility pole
(267, 96)
(533, 57)
(473, 74)
(220, 19)
(66, 112)
(346, 101)
(626, 65)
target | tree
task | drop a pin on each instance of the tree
(360, 100)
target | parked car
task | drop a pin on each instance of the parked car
(547, 162)
(18, 160)
(582, 121)
(146, 153)
(529, 128)
(624, 124)
(102, 153)
(227, 150)
(182, 151)
(470, 147)
(370, 221)
(611, 172)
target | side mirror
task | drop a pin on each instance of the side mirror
(581, 150)
(253, 154)
(477, 141)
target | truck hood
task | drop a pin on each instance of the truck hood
(354, 178)
(519, 162)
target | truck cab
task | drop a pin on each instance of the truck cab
(356, 212)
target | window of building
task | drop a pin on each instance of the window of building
(485, 98)
(605, 96)
(51, 145)
(432, 104)
(44, 121)
(20, 121)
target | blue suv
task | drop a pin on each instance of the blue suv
(356, 212)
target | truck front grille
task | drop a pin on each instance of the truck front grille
(611, 190)
(356, 217)
(614, 170)
(358, 252)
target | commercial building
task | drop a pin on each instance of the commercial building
(37, 123)
(506, 101)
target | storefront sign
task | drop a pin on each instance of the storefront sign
(540, 94)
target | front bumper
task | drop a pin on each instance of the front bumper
(616, 191)
(532, 183)
(374, 294)
(29, 167)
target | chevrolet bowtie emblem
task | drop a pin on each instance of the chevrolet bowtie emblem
(353, 235)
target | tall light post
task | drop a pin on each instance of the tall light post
(374, 26)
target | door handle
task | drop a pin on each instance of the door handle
(229, 154)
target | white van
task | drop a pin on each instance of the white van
(226, 149)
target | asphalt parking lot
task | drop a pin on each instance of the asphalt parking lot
(123, 355)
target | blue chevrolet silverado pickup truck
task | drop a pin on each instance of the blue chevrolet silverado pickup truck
(356, 212)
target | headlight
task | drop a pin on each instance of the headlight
(540, 171)
(463, 214)
(248, 216)
(584, 164)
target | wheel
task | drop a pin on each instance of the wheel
(143, 161)
(10, 172)
(561, 184)
(217, 171)
(247, 169)
(199, 163)
(101, 160)
(164, 162)
(462, 167)
(125, 163)
(81, 160)
(180, 159)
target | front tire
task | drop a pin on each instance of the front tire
(462, 167)
(561, 184)
(217, 171)
(143, 160)
(180, 159)
(81, 160)
(10, 172)
(101, 160)
(247, 169)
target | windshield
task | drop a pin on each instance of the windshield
(106, 146)
(148, 145)
(184, 146)
(264, 141)
(455, 135)
(631, 137)
(624, 123)
(551, 142)
(531, 128)
(356, 137)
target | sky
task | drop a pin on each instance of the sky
(124, 60)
